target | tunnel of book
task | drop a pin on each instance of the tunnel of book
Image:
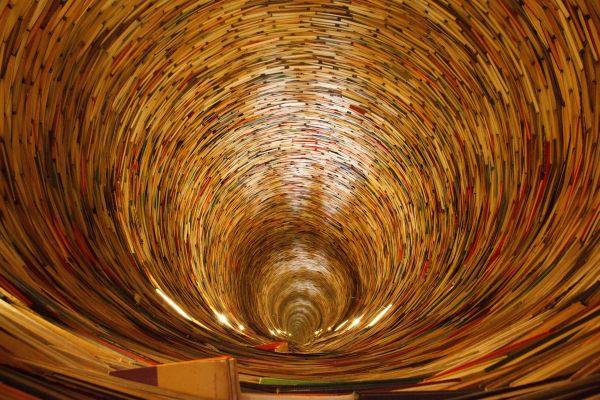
(402, 191)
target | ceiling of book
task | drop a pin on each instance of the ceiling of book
(398, 189)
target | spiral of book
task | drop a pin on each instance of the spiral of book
(256, 199)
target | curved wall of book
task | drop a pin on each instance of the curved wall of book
(400, 189)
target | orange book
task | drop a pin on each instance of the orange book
(277, 347)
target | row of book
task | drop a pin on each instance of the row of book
(406, 192)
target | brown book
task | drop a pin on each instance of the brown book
(213, 378)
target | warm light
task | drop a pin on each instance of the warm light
(222, 319)
(340, 325)
(379, 316)
(355, 322)
(241, 327)
(173, 304)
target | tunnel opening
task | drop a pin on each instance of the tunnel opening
(401, 190)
